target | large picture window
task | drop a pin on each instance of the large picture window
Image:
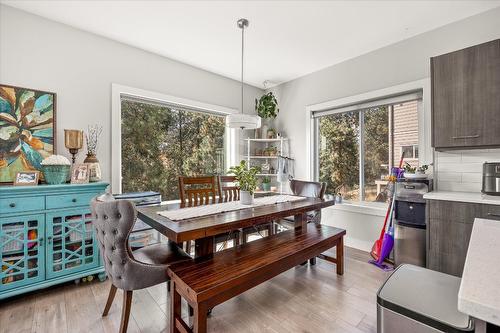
(162, 142)
(357, 146)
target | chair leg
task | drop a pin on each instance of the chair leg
(236, 238)
(188, 247)
(270, 229)
(244, 235)
(127, 303)
(111, 297)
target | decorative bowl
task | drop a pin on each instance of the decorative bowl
(56, 174)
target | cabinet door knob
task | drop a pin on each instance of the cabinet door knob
(12, 205)
(73, 200)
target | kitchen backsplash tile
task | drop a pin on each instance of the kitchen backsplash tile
(461, 170)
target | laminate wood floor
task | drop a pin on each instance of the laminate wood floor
(303, 299)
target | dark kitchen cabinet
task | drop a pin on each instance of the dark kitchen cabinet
(449, 227)
(465, 97)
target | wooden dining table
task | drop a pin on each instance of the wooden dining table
(203, 229)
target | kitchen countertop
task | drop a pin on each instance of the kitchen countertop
(479, 294)
(472, 197)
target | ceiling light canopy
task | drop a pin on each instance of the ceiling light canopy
(241, 120)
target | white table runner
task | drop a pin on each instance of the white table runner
(192, 212)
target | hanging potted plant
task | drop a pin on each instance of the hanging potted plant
(267, 108)
(247, 181)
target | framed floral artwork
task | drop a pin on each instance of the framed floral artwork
(27, 130)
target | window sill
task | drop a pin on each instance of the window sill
(367, 208)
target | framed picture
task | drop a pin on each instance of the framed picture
(27, 130)
(25, 178)
(80, 174)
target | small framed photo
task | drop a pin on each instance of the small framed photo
(80, 174)
(27, 178)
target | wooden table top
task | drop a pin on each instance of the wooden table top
(211, 225)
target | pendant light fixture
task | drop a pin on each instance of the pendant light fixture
(242, 120)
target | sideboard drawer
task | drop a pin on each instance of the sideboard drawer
(69, 200)
(21, 204)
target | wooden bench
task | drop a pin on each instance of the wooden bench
(205, 284)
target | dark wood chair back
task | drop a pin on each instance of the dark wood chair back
(197, 191)
(228, 191)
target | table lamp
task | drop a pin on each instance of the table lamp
(73, 140)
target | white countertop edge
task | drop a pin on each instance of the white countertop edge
(479, 292)
(479, 311)
(471, 197)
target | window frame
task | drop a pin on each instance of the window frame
(232, 136)
(426, 153)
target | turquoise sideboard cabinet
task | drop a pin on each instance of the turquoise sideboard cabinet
(46, 236)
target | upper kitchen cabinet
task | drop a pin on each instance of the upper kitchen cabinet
(466, 97)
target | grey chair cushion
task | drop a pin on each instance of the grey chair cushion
(160, 254)
(113, 221)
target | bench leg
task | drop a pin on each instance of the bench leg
(340, 256)
(200, 319)
(175, 308)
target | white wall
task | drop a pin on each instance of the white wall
(80, 67)
(396, 64)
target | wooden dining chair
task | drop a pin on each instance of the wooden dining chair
(128, 270)
(198, 191)
(229, 191)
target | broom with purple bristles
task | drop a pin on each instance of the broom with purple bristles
(386, 242)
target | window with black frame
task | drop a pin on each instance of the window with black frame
(162, 142)
(357, 146)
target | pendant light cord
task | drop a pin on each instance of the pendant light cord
(242, 61)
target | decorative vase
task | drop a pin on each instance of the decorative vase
(55, 174)
(266, 186)
(246, 198)
(263, 131)
(94, 167)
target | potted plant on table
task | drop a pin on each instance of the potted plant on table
(266, 183)
(267, 108)
(412, 172)
(246, 177)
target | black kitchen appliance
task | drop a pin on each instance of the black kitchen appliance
(409, 221)
(491, 178)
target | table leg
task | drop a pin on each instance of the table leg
(204, 247)
(300, 221)
(340, 256)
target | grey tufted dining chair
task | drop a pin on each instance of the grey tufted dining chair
(113, 220)
(310, 190)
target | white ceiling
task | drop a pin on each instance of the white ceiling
(285, 40)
